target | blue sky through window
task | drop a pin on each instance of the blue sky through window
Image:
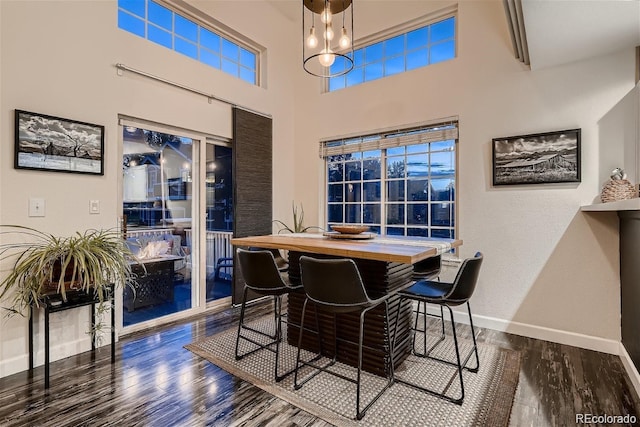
(404, 52)
(405, 190)
(161, 25)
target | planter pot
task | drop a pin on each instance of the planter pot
(50, 288)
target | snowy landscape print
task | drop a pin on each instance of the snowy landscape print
(52, 143)
(539, 158)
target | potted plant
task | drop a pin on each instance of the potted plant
(41, 264)
(298, 222)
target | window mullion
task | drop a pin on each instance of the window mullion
(383, 192)
(406, 192)
(429, 195)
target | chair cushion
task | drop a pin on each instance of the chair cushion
(427, 289)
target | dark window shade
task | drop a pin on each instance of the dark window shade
(252, 181)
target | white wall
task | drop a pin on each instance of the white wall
(57, 58)
(619, 130)
(549, 271)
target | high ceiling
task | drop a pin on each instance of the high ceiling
(562, 31)
(559, 31)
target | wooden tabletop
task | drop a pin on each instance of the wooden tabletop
(408, 250)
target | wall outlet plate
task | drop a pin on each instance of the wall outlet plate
(94, 206)
(36, 207)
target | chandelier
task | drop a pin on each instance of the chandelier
(327, 37)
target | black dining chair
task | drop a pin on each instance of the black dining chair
(334, 286)
(260, 273)
(448, 295)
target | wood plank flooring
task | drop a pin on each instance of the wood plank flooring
(156, 382)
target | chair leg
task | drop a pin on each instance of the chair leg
(244, 300)
(276, 338)
(360, 414)
(335, 338)
(455, 341)
(319, 369)
(475, 345)
(297, 386)
(319, 332)
(425, 351)
(459, 364)
(278, 310)
(276, 301)
(415, 330)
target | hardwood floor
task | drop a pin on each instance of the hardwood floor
(156, 382)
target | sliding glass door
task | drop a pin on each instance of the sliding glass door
(219, 221)
(157, 212)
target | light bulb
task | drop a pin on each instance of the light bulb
(345, 41)
(328, 34)
(326, 16)
(326, 58)
(312, 40)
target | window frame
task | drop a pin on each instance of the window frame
(381, 37)
(202, 22)
(384, 179)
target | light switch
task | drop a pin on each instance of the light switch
(94, 206)
(36, 207)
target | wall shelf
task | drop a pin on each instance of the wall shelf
(620, 205)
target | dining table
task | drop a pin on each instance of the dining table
(385, 264)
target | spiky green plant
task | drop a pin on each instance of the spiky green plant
(98, 259)
(298, 222)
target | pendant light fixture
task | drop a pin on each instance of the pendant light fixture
(327, 37)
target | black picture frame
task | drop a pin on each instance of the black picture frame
(540, 158)
(177, 189)
(55, 144)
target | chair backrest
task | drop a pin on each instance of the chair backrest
(431, 265)
(259, 269)
(333, 282)
(466, 279)
(281, 263)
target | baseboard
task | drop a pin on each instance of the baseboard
(540, 332)
(630, 367)
(14, 365)
(21, 362)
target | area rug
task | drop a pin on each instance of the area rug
(488, 394)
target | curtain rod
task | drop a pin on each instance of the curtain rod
(210, 97)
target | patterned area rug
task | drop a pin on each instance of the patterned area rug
(488, 393)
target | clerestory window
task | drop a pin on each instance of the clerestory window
(159, 24)
(397, 53)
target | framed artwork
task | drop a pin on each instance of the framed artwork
(539, 158)
(59, 145)
(177, 189)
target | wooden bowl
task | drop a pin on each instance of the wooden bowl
(350, 229)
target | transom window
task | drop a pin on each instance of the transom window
(161, 25)
(423, 46)
(401, 183)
